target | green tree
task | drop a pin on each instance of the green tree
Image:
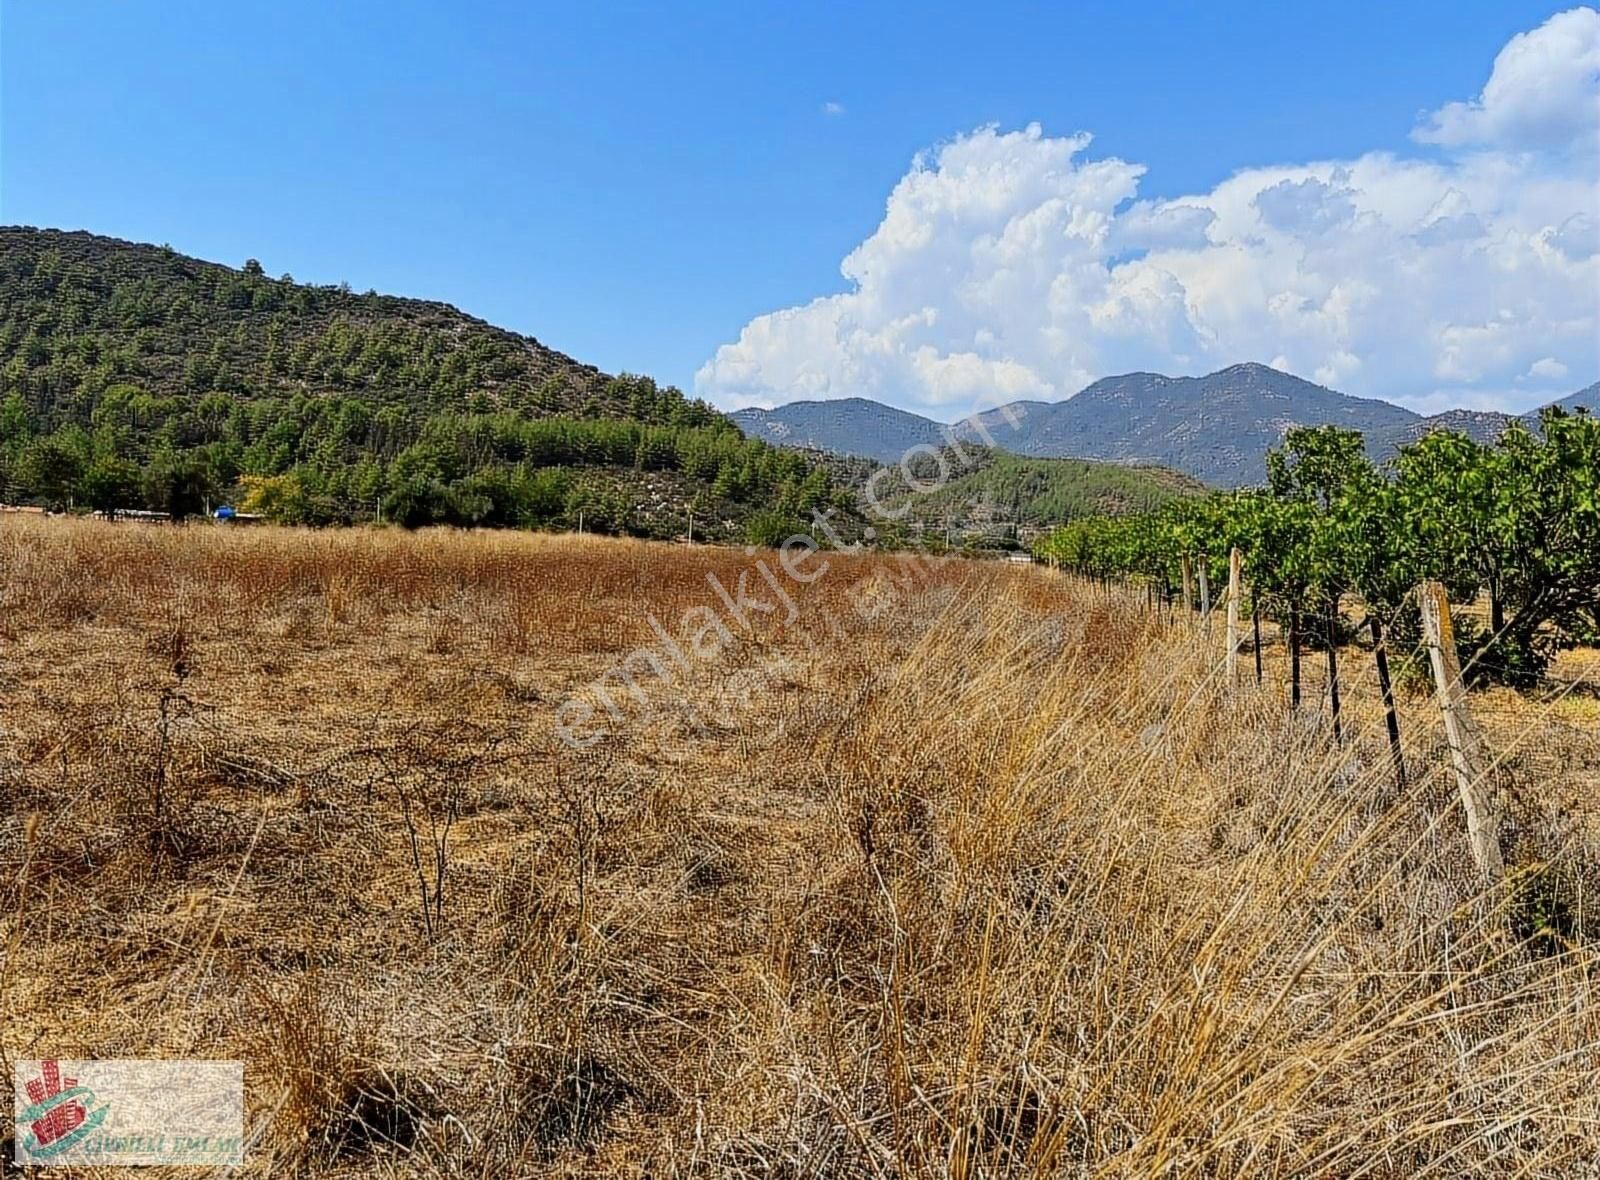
(771, 528)
(177, 484)
(111, 484)
(1454, 504)
(49, 470)
(1518, 520)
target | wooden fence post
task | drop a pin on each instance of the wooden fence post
(1188, 584)
(1205, 587)
(1255, 622)
(1235, 572)
(1466, 745)
(1332, 622)
(1294, 657)
(1380, 651)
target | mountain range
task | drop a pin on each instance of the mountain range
(134, 376)
(1216, 428)
(137, 378)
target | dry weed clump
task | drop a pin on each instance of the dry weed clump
(965, 871)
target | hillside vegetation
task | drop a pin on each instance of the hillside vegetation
(992, 494)
(134, 377)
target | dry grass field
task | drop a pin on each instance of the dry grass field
(950, 870)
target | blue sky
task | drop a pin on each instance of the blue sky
(636, 185)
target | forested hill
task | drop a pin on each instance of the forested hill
(134, 376)
(990, 493)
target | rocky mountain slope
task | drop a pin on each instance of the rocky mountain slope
(847, 426)
(1216, 428)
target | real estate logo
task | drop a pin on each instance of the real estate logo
(129, 1113)
(62, 1113)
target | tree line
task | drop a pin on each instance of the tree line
(1516, 521)
(339, 459)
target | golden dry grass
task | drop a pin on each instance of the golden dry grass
(968, 871)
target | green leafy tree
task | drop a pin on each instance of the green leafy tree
(1316, 463)
(1519, 520)
(773, 527)
(111, 484)
(1453, 499)
(16, 423)
(49, 470)
(177, 484)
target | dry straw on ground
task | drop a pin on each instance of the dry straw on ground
(969, 871)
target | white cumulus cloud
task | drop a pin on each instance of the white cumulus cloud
(1013, 264)
(1541, 92)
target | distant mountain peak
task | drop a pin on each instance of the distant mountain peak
(1217, 427)
(845, 426)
